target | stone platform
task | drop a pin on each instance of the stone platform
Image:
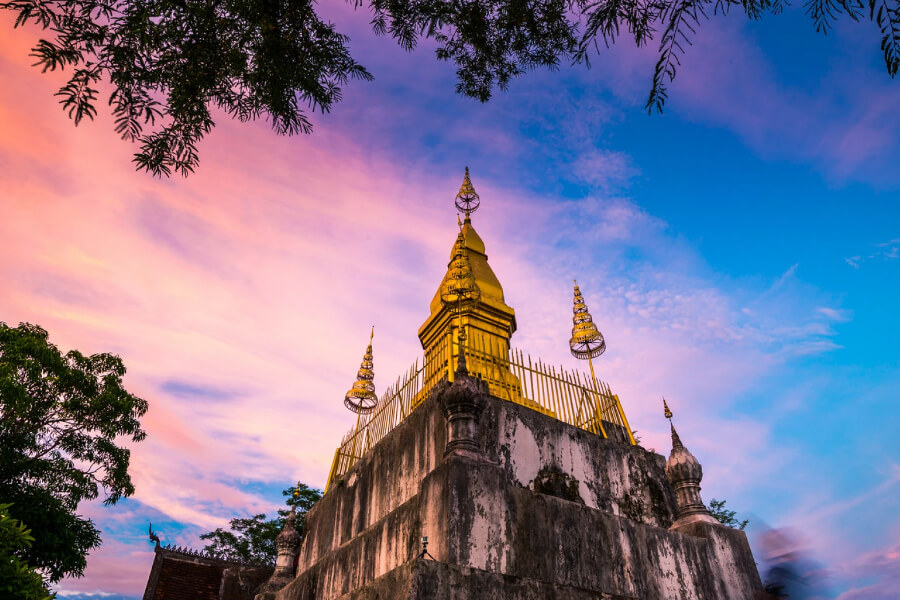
(532, 508)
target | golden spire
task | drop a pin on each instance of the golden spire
(587, 341)
(361, 398)
(460, 290)
(676, 441)
(467, 199)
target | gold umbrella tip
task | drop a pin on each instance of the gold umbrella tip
(467, 199)
(667, 412)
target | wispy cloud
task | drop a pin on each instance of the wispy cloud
(834, 314)
(881, 572)
(885, 251)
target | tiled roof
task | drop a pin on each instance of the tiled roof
(183, 580)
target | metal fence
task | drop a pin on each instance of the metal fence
(575, 399)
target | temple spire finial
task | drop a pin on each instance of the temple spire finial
(676, 441)
(467, 199)
(460, 291)
(586, 342)
(361, 398)
(684, 472)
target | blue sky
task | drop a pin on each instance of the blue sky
(739, 252)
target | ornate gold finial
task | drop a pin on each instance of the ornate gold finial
(586, 342)
(676, 441)
(460, 289)
(361, 398)
(467, 200)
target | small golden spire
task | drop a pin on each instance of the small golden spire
(676, 441)
(361, 398)
(460, 290)
(460, 285)
(467, 199)
(586, 341)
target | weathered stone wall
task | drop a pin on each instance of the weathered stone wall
(612, 477)
(513, 531)
(386, 478)
(549, 511)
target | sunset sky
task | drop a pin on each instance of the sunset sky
(739, 253)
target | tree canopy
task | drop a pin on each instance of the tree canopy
(18, 581)
(61, 417)
(170, 62)
(253, 539)
(724, 516)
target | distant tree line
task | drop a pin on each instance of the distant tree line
(253, 539)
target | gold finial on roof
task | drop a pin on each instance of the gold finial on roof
(467, 199)
(460, 290)
(676, 441)
(586, 341)
(361, 398)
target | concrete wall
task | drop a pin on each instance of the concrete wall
(616, 478)
(549, 511)
(385, 479)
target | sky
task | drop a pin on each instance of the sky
(739, 254)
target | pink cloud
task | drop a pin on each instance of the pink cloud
(114, 568)
(882, 566)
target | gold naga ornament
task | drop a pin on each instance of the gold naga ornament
(586, 342)
(361, 398)
(460, 291)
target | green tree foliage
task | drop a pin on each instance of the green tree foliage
(169, 62)
(724, 516)
(253, 539)
(60, 418)
(18, 581)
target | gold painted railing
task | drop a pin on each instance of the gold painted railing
(578, 400)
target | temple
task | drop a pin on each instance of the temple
(482, 473)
